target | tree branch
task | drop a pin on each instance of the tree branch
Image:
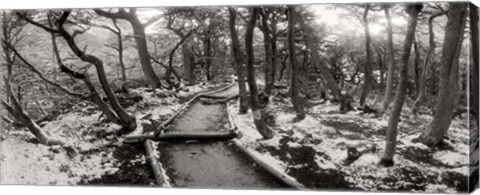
(36, 71)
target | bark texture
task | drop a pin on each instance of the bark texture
(257, 111)
(367, 68)
(449, 76)
(239, 61)
(294, 93)
(474, 66)
(269, 58)
(391, 137)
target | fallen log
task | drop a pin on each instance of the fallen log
(219, 100)
(276, 173)
(158, 171)
(180, 137)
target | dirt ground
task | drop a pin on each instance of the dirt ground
(314, 151)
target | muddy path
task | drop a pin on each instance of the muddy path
(211, 164)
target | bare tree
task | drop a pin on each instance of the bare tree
(391, 61)
(391, 137)
(257, 111)
(239, 61)
(296, 101)
(426, 63)
(120, 116)
(10, 31)
(368, 78)
(269, 58)
(140, 39)
(449, 76)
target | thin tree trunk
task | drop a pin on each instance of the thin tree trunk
(239, 61)
(267, 42)
(296, 101)
(258, 119)
(170, 69)
(426, 64)
(474, 67)
(188, 65)
(391, 62)
(367, 80)
(120, 52)
(449, 76)
(391, 136)
(381, 67)
(416, 63)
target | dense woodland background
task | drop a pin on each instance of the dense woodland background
(385, 61)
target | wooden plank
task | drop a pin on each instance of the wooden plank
(181, 136)
(276, 173)
(158, 171)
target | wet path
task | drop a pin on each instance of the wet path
(210, 164)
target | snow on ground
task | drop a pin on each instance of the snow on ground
(314, 150)
(91, 143)
(94, 153)
(27, 162)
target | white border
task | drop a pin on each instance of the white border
(83, 190)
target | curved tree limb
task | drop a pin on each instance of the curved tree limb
(36, 71)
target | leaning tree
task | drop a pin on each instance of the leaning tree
(449, 76)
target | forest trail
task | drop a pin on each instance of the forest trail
(210, 164)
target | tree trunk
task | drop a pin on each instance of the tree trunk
(239, 61)
(367, 80)
(380, 67)
(188, 66)
(15, 109)
(128, 121)
(391, 62)
(142, 48)
(207, 57)
(391, 136)
(474, 64)
(94, 96)
(267, 43)
(416, 63)
(170, 68)
(120, 52)
(449, 76)
(426, 64)
(257, 111)
(296, 101)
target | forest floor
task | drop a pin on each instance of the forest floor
(95, 153)
(313, 151)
